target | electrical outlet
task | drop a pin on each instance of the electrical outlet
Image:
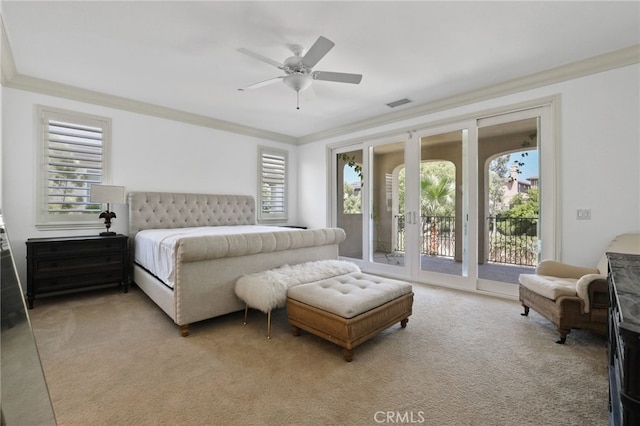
(583, 214)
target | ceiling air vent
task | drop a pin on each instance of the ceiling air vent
(399, 102)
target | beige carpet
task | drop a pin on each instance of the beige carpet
(116, 359)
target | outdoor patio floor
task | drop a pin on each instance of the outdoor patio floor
(490, 271)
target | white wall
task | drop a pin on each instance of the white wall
(599, 137)
(312, 198)
(148, 154)
(1, 150)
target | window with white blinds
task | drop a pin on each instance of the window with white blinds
(74, 156)
(272, 191)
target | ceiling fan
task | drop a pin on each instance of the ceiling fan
(298, 69)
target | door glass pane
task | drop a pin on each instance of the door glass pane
(441, 225)
(349, 202)
(508, 178)
(387, 204)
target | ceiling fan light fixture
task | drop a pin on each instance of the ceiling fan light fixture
(297, 82)
(299, 69)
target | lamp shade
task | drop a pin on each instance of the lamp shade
(107, 194)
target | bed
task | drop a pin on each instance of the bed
(203, 267)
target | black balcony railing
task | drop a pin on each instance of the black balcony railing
(438, 235)
(511, 240)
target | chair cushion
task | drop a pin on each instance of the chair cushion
(549, 287)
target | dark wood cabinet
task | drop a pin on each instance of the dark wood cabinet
(75, 263)
(624, 339)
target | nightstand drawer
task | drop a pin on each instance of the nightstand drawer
(60, 264)
(85, 247)
(61, 282)
(76, 265)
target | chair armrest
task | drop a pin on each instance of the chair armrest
(599, 293)
(563, 270)
(588, 286)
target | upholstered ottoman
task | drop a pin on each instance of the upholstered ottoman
(349, 309)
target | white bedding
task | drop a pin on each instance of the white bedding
(155, 248)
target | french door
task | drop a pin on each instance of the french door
(422, 205)
(517, 226)
(401, 202)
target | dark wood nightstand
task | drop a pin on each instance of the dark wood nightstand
(75, 263)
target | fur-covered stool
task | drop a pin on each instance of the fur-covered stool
(349, 309)
(267, 290)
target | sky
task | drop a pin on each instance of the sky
(530, 168)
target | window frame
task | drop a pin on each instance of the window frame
(45, 220)
(262, 215)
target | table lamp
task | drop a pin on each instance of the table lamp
(109, 194)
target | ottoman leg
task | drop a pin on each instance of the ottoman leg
(348, 354)
(404, 322)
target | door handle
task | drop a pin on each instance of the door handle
(411, 218)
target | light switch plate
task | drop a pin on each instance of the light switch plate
(583, 214)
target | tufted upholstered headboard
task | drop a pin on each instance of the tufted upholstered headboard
(161, 210)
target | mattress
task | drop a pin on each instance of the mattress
(155, 249)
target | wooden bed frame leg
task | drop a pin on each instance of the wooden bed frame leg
(348, 354)
(184, 330)
(404, 322)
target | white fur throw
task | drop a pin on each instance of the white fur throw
(267, 290)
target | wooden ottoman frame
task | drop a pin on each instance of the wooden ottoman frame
(348, 332)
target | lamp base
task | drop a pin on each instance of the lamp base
(107, 234)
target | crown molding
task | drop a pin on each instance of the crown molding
(60, 90)
(7, 66)
(11, 78)
(611, 60)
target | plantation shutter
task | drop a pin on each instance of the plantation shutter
(74, 158)
(273, 184)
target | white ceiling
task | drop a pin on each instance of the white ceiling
(182, 55)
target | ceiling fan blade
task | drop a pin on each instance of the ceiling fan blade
(340, 77)
(260, 57)
(263, 83)
(321, 47)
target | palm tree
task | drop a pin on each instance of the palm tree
(436, 197)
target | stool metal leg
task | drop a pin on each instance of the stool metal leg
(269, 325)
(246, 311)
